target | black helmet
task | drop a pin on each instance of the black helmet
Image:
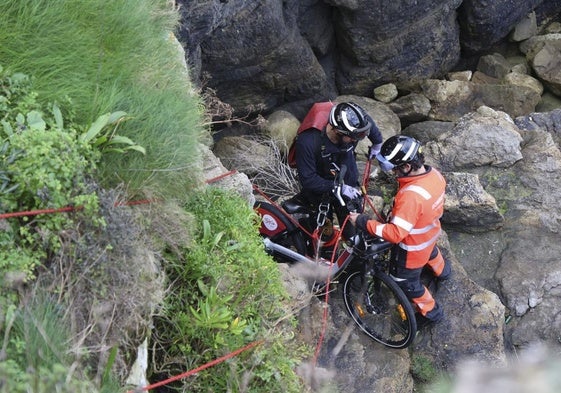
(350, 120)
(400, 150)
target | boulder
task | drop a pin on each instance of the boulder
(411, 108)
(429, 130)
(253, 53)
(482, 138)
(217, 174)
(386, 93)
(483, 23)
(375, 42)
(494, 65)
(525, 28)
(546, 63)
(468, 207)
(282, 127)
(452, 99)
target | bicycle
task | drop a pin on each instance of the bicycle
(372, 298)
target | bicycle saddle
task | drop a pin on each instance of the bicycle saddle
(295, 205)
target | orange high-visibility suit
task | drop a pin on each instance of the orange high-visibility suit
(414, 227)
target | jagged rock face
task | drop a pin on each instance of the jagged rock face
(468, 207)
(259, 56)
(514, 252)
(401, 42)
(502, 208)
(252, 53)
(485, 23)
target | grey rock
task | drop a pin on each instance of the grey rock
(494, 65)
(525, 28)
(374, 42)
(429, 130)
(468, 206)
(386, 93)
(411, 108)
(484, 23)
(482, 138)
(452, 99)
(237, 182)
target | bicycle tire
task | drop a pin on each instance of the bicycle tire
(380, 308)
(280, 229)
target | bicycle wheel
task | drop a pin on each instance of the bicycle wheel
(279, 228)
(380, 308)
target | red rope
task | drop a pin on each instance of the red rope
(200, 368)
(327, 284)
(222, 176)
(37, 212)
(364, 189)
(365, 179)
(72, 208)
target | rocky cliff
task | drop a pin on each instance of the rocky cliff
(259, 56)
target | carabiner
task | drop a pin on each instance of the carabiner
(323, 209)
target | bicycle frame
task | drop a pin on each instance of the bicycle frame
(379, 307)
(278, 223)
(336, 267)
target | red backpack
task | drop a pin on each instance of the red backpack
(317, 119)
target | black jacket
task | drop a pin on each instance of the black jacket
(315, 153)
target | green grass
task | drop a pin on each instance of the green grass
(37, 358)
(106, 56)
(227, 293)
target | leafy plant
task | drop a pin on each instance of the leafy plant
(102, 134)
(234, 295)
(43, 165)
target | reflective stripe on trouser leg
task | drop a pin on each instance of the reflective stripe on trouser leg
(410, 281)
(439, 266)
(424, 303)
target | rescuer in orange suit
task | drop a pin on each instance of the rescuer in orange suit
(414, 224)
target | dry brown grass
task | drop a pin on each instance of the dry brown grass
(109, 279)
(273, 176)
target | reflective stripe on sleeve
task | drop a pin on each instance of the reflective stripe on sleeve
(438, 202)
(400, 222)
(380, 229)
(419, 190)
(421, 246)
(416, 231)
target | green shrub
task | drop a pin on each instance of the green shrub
(43, 165)
(227, 293)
